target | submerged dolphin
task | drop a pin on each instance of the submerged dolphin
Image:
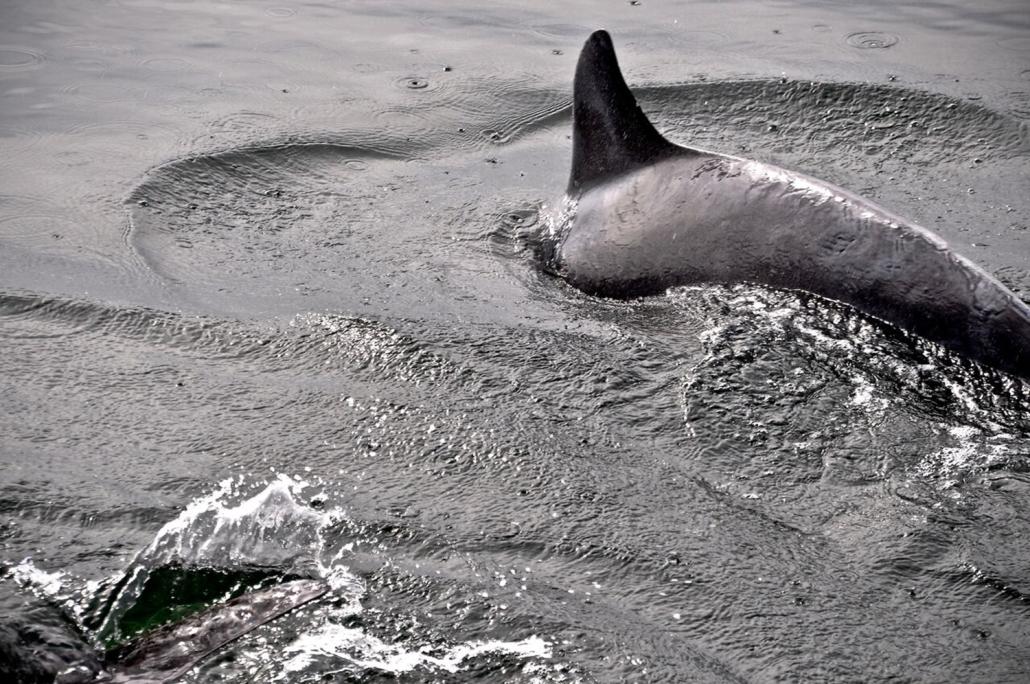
(167, 653)
(644, 215)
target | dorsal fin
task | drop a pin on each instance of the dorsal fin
(610, 134)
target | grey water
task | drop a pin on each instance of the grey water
(270, 310)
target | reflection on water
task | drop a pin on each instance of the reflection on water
(288, 249)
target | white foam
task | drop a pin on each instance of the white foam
(366, 652)
(40, 581)
(973, 450)
(271, 528)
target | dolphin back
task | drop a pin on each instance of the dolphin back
(647, 215)
(169, 652)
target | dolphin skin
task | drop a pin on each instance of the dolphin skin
(164, 655)
(167, 653)
(643, 215)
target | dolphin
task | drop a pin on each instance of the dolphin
(166, 653)
(642, 214)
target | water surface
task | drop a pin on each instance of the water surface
(267, 312)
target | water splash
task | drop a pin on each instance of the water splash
(265, 536)
(350, 650)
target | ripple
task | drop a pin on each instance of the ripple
(26, 316)
(102, 47)
(242, 127)
(42, 229)
(90, 64)
(561, 31)
(486, 108)
(41, 315)
(190, 217)
(871, 40)
(814, 118)
(416, 124)
(326, 343)
(825, 357)
(168, 64)
(1016, 43)
(131, 139)
(412, 83)
(495, 136)
(39, 229)
(281, 12)
(104, 91)
(1016, 279)
(15, 142)
(520, 218)
(13, 58)
(701, 37)
(366, 68)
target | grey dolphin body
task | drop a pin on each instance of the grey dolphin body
(646, 215)
(167, 653)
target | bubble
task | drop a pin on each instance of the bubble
(871, 40)
(281, 12)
